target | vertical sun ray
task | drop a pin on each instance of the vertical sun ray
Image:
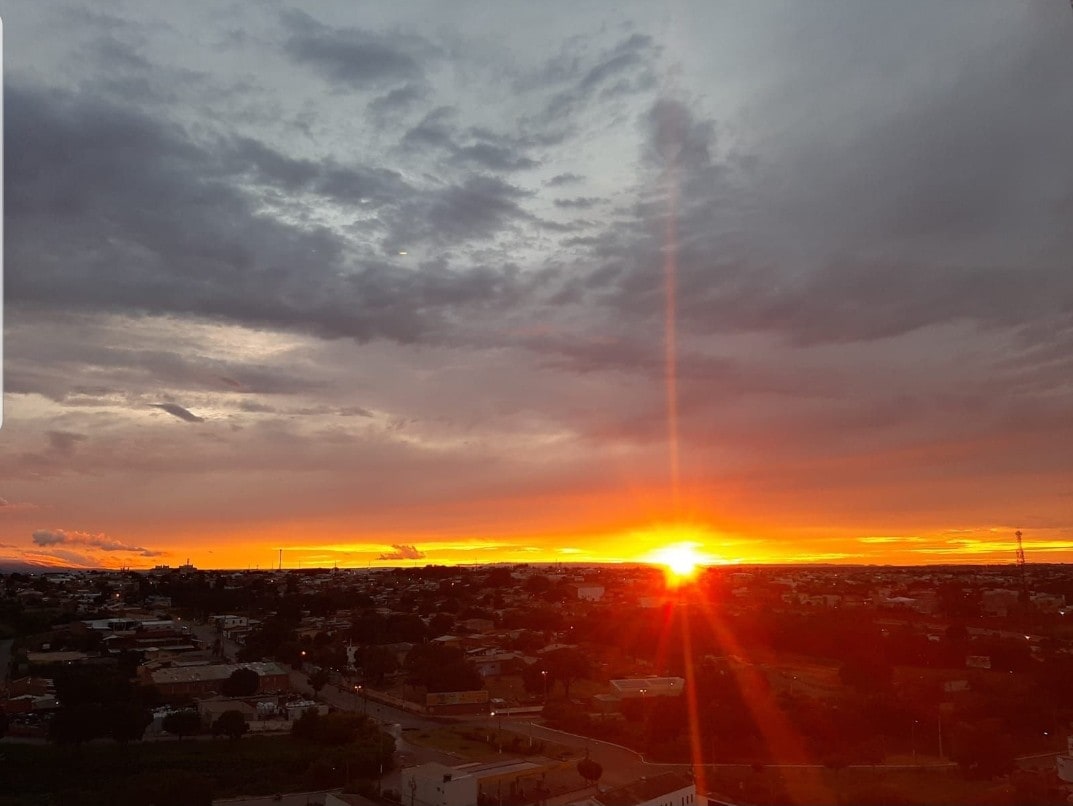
(670, 322)
(777, 731)
(696, 742)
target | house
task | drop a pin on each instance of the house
(588, 592)
(211, 709)
(667, 789)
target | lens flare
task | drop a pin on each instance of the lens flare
(681, 561)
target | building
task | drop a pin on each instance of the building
(668, 789)
(435, 784)
(587, 592)
(634, 687)
(510, 781)
(999, 601)
(204, 679)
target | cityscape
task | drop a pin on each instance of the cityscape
(545, 684)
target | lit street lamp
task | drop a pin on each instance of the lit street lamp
(544, 674)
(359, 690)
(499, 734)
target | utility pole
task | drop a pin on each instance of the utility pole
(940, 734)
(1021, 555)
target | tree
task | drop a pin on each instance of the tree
(230, 723)
(76, 724)
(318, 680)
(566, 666)
(377, 663)
(243, 682)
(460, 675)
(441, 668)
(589, 770)
(537, 584)
(182, 723)
(982, 749)
(3, 724)
(127, 721)
(440, 624)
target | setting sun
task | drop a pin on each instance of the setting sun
(681, 561)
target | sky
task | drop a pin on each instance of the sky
(477, 282)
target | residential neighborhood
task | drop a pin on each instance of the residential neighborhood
(510, 683)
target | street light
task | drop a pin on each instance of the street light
(499, 734)
(544, 674)
(359, 690)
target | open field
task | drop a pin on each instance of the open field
(38, 774)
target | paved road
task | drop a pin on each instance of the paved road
(294, 799)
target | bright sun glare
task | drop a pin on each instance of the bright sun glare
(681, 561)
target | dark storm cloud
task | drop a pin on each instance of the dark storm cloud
(351, 56)
(178, 411)
(478, 148)
(403, 552)
(140, 217)
(398, 100)
(564, 179)
(897, 192)
(493, 157)
(255, 407)
(50, 538)
(478, 207)
(348, 184)
(53, 360)
(626, 68)
(578, 203)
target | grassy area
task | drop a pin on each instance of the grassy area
(44, 774)
(807, 678)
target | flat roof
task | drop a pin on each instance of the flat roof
(645, 789)
(214, 671)
(650, 685)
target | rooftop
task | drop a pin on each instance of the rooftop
(645, 789)
(215, 671)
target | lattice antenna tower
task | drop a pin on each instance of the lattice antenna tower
(1021, 552)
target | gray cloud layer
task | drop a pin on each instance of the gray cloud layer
(865, 207)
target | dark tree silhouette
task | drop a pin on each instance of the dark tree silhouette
(182, 723)
(318, 680)
(982, 749)
(242, 683)
(127, 721)
(589, 770)
(566, 666)
(231, 724)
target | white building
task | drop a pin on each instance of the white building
(667, 789)
(435, 784)
(588, 592)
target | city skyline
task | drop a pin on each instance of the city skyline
(478, 284)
